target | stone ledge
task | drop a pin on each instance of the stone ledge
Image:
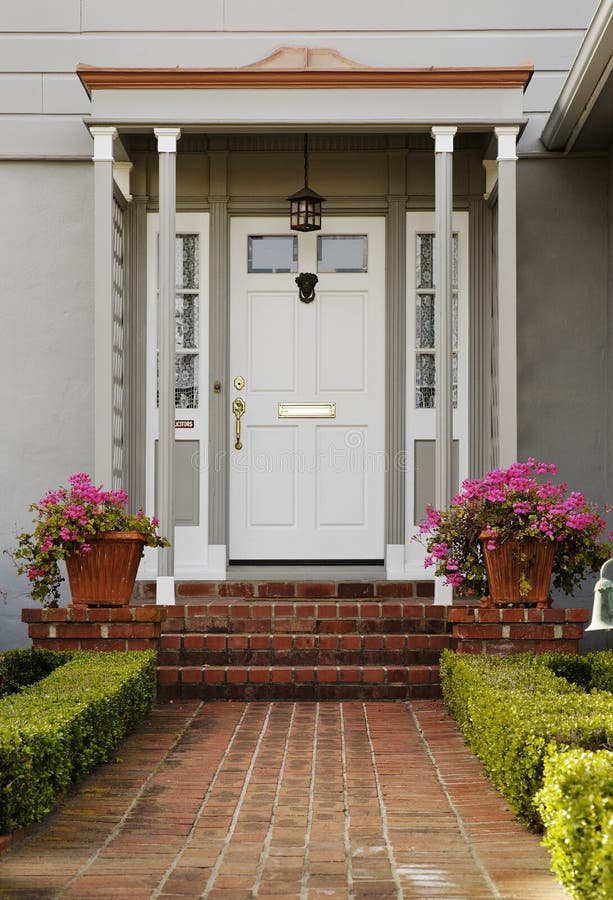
(95, 628)
(98, 614)
(515, 614)
(505, 630)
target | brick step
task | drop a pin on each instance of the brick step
(301, 649)
(189, 591)
(235, 616)
(298, 682)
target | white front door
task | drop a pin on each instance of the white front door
(308, 474)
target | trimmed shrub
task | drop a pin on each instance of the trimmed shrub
(576, 806)
(514, 712)
(592, 670)
(61, 727)
(19, 668)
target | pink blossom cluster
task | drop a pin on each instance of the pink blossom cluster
(516, 502)
(67, 519)
(541, 507)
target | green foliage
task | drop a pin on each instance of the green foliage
(514, 712)
(61, 727)
(576, 806)
(515, 505)
(589, 671)
(66, 520)
(19, 668)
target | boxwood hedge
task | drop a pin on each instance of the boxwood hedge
(576, 805)
(543, 728)
(19, 668)
(515, 711)
(59, 728)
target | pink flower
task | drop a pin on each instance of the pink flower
(439, 551)
(86, 548)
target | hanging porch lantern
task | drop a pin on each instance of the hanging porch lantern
(305, 204)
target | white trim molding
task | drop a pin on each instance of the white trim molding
(212, 568)
(443, 138)
(507, 296)
(167, 145)
(167, 139)
(507, 138)
(103, 142)
(103, 303)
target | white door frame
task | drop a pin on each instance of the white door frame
(194, 557)
(374, 462)
(420, 423)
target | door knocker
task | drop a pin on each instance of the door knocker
(306, 282)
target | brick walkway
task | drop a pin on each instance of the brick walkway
(284, 800)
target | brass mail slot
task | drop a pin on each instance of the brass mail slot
(307, 411)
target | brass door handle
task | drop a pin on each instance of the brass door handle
(238, 408)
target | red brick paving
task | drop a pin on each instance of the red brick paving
(285, 800)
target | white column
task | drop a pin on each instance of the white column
(507, 295)
(167, 153)
(443, 210)
(103, 304)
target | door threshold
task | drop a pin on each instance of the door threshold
(306, 562)
(308, 571)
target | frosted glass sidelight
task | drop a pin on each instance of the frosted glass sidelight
(272, 253)
(186, 321)
(425, 320)
(425, 305)
(424, 254)
(425, 250)
(424, 380)
(187, 262)
(186, 381)
(342, 253)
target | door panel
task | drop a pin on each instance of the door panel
(305, 485)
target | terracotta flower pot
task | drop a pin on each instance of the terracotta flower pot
(514, 561)
(105, 576)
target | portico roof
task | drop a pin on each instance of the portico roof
(306, 86)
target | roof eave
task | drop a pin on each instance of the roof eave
(103, 78)
(584, 82)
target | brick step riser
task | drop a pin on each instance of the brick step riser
(298, 657)
(310, 625)
(255, 692)
(193, 591)
(300, 682)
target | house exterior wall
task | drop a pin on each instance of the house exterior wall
(564, 400)
(46, 184)
(562, 244)
(41, 44)
(46, 349)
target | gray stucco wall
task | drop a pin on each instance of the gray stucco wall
(42, 102)
(46, 349)
(563, 314)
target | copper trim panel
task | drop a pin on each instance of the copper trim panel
(95, 78)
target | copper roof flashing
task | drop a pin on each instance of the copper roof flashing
(300, 68)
